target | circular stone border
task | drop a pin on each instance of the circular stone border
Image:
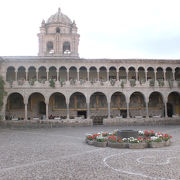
(145, 139)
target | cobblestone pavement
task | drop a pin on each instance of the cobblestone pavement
(61, 153)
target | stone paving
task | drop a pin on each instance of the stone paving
(61, 153)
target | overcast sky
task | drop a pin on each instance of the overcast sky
(107, 28)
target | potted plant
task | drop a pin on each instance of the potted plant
(160, 82)
(166, 139)
(101, 141)
(151, 82)
(52, 83)
(132, 82)
(137, 143)
(156, 142)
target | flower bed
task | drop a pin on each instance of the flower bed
(145, 139)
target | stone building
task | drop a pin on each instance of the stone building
(58, 84)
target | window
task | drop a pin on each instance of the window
(57, 30)
(49, 46)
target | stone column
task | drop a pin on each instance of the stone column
(47, 75)
(97, 75)
(67, 110)
(88, 75)
(68, 75)
(165, 109)
(164, 75)
(147, 110)
(78, 75)
(3, 112)
(15, 75)
(107, 75)
(127, 76)
(136, 75)
(117, 75)
(57, 76)
(127, 109)
(109, 110)
(26, 76)
(145, 75)
(173, 75)
(88, 110)
(47, 110)
(37, 75)
(155, 75)
(25, 113)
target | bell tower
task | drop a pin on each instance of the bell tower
(58, 36)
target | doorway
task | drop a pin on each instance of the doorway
(82, 113)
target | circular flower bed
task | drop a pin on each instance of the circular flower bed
(145, 139)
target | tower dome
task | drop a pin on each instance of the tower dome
(59, 17)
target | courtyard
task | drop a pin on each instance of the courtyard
(61, 153)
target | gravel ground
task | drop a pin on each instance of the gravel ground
(61, 153)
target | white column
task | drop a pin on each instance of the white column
(127, 76)
(147, 110)
(67, 110)
(15, 75)
(78, 75)
(165, 108)
(47, 109)
(127, 109)
(145, 75)
(107, 75)
(88, 110)
(173, 75)
(88, 75)
(67, 75)
(117, 75)
(3, 111)
(26, 76)
(136, 75)
(37, 75)
(57, 76)
(47, 75)
(164, 75)
(155, 75)
(109, 110)
(25, 113)
(97, 75)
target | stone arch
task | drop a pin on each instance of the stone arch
(150, 73)
(118, 105)
(169, 73)
(36, 107)
(103, 74)
(72, 75)
(137, 104)
(10, 74)
(156, 105)
(15, 106)
(98, 107)
(141, 75)
(77, 105)
(122, 73)
(83, 74)
(132, 73)
(113, 73)
(57, 105)
(32, 73)
(159, 73)
(53, 73)
(21, 73)
(173, 104)
(63, 74)
(177, 73)
(93, 74)
(42, 74)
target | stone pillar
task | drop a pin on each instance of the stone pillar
(3, 112)
(164, 75)
(147, 110)
(26, 76)
(117, 75)
(37, 75)
(15, 75)
(165, 109)
(57, 76)
(67, 110)
(126, 76)
(127, 109)
(47, 75)
(155, 75)
(68, 75)
(107, 75)
(145, 75)
(109, 110)
(47, 111)
(88, 75)
(173, 75)
(136, 75)
(78, 75)
(88, 110)
(97, 75)
(25, 113)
